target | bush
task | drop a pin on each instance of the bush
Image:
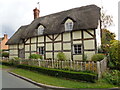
(61, 56)
(5, 54)
(35, 56)
(85, 57)
(83, 76)
(112, 77)
(114, 51)
(97, 57)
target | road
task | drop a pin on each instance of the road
(10, 81)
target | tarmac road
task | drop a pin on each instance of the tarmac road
(10, 81)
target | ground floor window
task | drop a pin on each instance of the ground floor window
(41, 50)
(77, 49)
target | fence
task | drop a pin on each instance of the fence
(98, 67)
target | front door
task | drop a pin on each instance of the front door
(21, 53)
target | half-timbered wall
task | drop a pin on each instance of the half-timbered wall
(63, 42)
(13, 51)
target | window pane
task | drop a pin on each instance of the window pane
(77, 49)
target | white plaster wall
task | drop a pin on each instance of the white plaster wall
(77, 42)
(33, 47)
(57, 46)
(89, 44)
(66, 37)
(41, 39)
(27, 55)
(86, 35)
(40, 45)
(77, 57)
(66, 46)
(47, 39)
(28, 41)
(13, 46)
(77, 35)
(48, 46)
(48, 54)
(89, 54)
(68, 55)
(27, 47)
(21, 46)
(58, 38)
(33, 40)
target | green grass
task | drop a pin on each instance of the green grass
(49, 80)
(4, 67)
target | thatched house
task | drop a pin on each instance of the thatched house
(72, 32)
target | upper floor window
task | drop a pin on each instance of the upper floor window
(40, 30)
(68, 25)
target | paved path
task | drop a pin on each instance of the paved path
(10, 81)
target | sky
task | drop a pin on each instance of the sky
(16, 13)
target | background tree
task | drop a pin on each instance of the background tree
(106, 35)
(114, 50)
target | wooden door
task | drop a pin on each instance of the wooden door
(21, 53)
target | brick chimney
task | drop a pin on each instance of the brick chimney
(5, 36)
(36, 13)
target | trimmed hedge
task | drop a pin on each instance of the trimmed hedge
(83, 76)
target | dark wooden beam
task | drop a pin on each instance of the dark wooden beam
(82, 43)
(89, 33)
(56, 37)
(95, 41)
(71, 36)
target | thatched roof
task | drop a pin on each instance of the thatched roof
(18, 36)
(85, 17)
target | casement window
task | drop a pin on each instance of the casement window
(41, 50)
(77, 49)
(69, 25)
(40, 30)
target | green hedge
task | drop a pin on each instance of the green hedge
(83, 76)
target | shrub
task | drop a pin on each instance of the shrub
(114, 51)
(5, 54)
(97, 57)
(85, 57)
(35, 56)
(112, 77)
(61, 56)
(83, 76)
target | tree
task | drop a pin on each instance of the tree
(107, 36)
(106, 20)
(114, 51)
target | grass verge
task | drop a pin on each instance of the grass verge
(49, 80)
(4, 67)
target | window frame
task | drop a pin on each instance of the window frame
(78, 53)
(40, 29)
(69, 25)
(41, 49)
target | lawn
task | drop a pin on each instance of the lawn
(4, 67)
(49, 80)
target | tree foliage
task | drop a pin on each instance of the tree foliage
(114, 51)
(61, 56)
(107, 36)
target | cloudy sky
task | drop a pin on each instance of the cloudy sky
(15, 13)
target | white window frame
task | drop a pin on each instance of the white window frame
(40, 30)
(69, 25)
(77, 49)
